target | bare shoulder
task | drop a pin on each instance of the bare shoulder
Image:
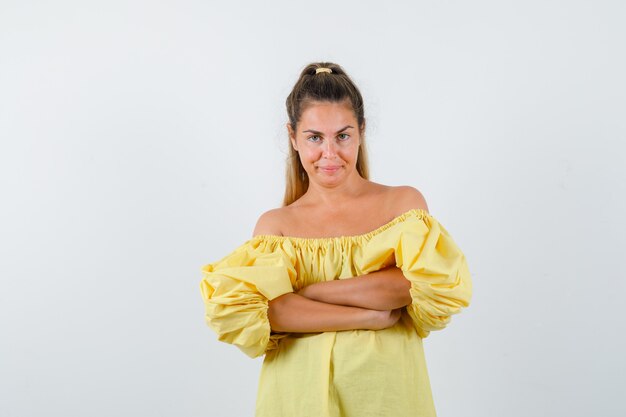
(268, 223)
(406, 197)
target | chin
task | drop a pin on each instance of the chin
(332, 179)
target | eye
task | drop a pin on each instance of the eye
(312, 138)
(346, 136)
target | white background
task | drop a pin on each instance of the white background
(141, 140)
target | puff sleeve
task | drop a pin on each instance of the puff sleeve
(436, 267)
(236, 291)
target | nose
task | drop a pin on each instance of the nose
(330, 149)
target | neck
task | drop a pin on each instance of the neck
(336, 196)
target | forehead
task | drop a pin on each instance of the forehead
(325, 113)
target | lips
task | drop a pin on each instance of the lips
(330, 168)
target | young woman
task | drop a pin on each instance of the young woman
(338, 287)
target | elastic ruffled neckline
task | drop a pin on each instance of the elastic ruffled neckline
(419, 213)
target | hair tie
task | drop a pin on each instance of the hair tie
(322, 69)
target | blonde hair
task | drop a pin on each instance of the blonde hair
(335, 86)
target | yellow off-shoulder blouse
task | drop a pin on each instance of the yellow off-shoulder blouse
(350, 373)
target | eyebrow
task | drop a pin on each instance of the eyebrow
(318, 133)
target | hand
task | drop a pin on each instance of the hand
(382, 319)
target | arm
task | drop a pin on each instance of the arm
(386, 289)
(294, 313)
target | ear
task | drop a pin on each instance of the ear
(292, 136)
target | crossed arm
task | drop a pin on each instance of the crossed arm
(341, 304)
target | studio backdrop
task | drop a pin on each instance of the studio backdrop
(141, 140)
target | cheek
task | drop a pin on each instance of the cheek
(308, 152)
(350, 150)
(307, 156)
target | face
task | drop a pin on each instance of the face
(327, 141)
